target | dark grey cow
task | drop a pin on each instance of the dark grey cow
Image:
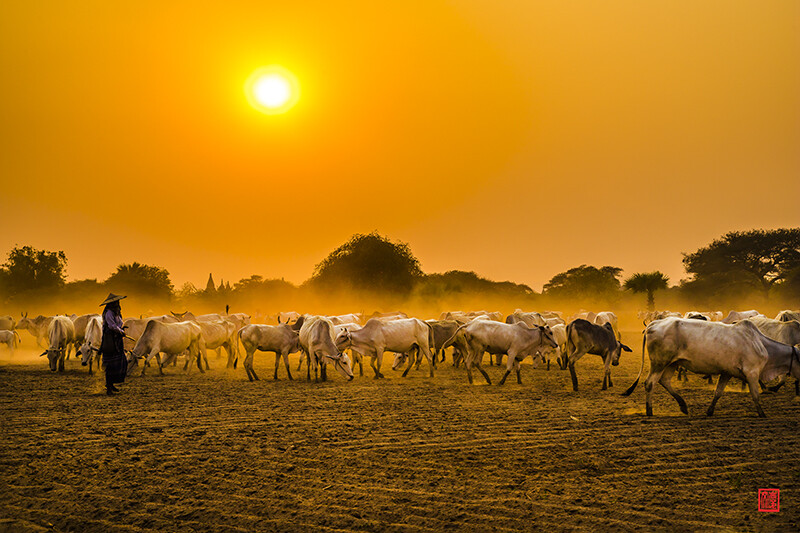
(584, 337)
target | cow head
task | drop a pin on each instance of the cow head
(342, 364)
(547, 338)
(52, 357)
(399, 360)
(24, 322)
(343, 340)
(85, 351)
(617, 352)
(298, 324)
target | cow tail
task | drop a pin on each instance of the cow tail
(236, 351)
(431, 341)
(641, 369)
(17, 335)
(453, 336)
(565, 355)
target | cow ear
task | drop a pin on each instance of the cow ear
(625, 348)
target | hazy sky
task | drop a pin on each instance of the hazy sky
(514, 138)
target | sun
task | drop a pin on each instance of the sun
(272, 90)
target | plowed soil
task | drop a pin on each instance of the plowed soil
(214, 452)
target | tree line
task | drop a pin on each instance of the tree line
(739, 265)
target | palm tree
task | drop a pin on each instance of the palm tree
(648, 282)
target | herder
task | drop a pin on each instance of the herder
(111, 346)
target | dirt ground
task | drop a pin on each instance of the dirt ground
(214, 452)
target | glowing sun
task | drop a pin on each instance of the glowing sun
(272, 90)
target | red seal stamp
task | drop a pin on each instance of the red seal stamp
(769, 500)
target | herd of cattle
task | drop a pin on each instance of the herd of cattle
(745, 345)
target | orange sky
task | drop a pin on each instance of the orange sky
(516, 138)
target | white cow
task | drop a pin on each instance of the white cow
(61, 333)
(399, 336)
(8, 323)
(218, 334)
(288, 317)
(607, 317)
(171, 338)
(80, 323)
(350, 318)
(786, 315)
(9, 338)
(560, 335)
(783, 332)
(735, 316)
(517, 340)
(739, 350)
(531, 319)
(281, 339)
(92, 337)
(318, 342)
(37, 327)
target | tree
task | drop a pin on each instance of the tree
(460, 281)
(584, 281)
(758, 258)
(28, 268)
(648, 282)
(141, 279)
(371, 263)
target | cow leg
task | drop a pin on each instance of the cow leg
(468, 365)
(277, 364)
(248, 366)
(379, 361)
(431, 356)
(752, 382)
(300, 364)
(324, 371)
(666, 382)
(517, 367)
(482, 371)
(360, 360)
(372, 360)
(723, 381)
(606, 373)
(574, 376)
(511, 363)
(205, 358)
(200, 354)
(409, 364)
(648, 389)
(231, 356)
(286, 363)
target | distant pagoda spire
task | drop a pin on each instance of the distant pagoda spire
(210, 287)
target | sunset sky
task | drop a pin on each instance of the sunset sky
(514, 138)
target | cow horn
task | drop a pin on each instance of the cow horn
(43, 353)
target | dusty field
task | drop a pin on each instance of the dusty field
(214, 452)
